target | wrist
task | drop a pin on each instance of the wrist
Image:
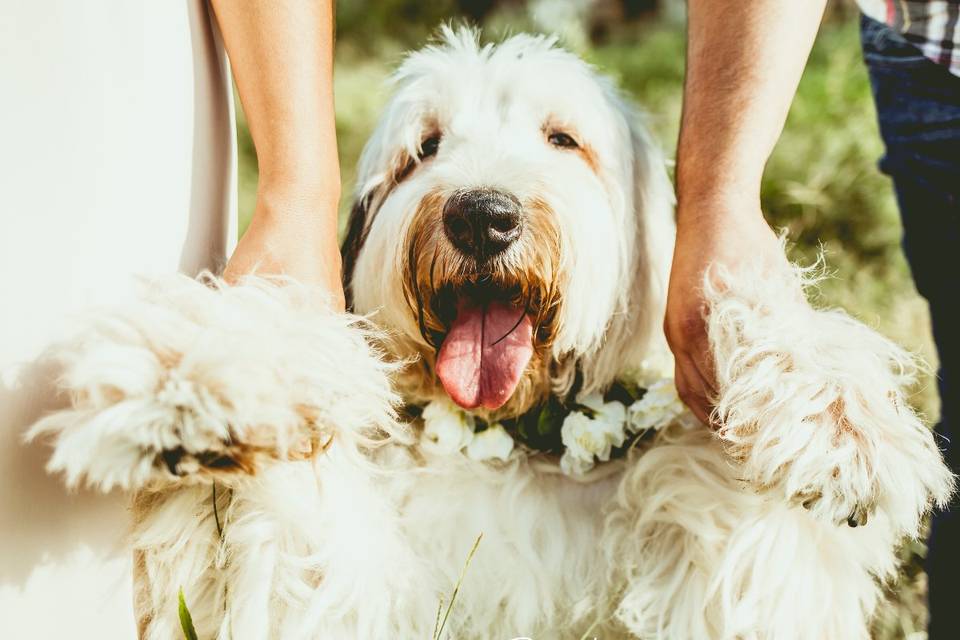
(717, 177)
(308, 206)
(726, 178)
(304, 181)
(709, 209)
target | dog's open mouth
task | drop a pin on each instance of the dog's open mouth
(487, 348)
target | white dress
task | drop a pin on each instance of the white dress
(117, 158)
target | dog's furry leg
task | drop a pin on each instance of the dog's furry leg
(813, 405)
(203, 381)
(196, 386)
(710, 557)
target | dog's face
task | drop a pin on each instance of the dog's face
(512, 228)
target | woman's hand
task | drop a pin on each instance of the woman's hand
(282, 57)
(291, 234)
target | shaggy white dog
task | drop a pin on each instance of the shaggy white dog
(512, 237)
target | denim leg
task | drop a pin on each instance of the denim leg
(918, 106)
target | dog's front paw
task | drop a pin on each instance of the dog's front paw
(200, 381)
(839, 486)
(811, 405)
(815, 461)
(140, 415)
(833, 508)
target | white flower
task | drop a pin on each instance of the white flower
(573, 466)
(492, 442)
(611, 416)
(446, 429)
(653, 369)
(585, 438)
(658, 407)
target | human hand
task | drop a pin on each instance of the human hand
(281, 54)
(744, 62)
(717, 231)
(291, 234)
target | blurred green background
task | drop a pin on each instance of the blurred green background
(821, 185)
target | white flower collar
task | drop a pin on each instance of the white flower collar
(594, 428)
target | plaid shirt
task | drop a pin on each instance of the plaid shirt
(932, 25)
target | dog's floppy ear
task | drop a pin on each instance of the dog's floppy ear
(357, 229)
(380, 170)
(362, 213)
(635, 333)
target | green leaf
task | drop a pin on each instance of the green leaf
(547, 421)
(186, 620)
(522, 426)
(625, 391)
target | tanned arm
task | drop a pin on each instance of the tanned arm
(282, 57)
(744, 62)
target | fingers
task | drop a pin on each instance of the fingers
(692, 388)
(706, 373)
(694, 375)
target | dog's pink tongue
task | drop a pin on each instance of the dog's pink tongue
(484, 354)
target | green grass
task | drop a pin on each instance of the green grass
(821, 184)
(186, 620)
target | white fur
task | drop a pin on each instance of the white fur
(813, 403)
(256, 373)
(491, 103)
(694, 535)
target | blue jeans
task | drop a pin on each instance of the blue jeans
(918, 105)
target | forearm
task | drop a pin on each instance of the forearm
(282, 57)
(744, 61)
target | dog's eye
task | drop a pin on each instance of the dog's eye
(562, 140)
(429, 147)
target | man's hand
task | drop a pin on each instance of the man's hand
(744, 61)
(714, 232)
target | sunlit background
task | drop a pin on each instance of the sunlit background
(821, 185)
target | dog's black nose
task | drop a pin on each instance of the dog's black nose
(482, 222)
